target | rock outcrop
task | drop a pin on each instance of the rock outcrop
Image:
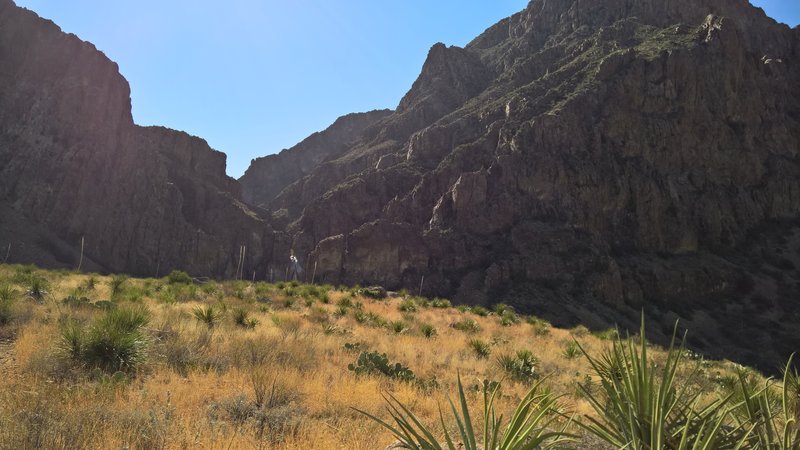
(73, 165)
(585, 160)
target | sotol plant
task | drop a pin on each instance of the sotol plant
(530, 426)
(643, 406)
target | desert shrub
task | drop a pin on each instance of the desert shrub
(89, 284)
(502, 308)
(345, 302)
(440, 303)
(508, 318)
(643, 405)
(530, 426)
(208, 315)
(374, 363)
(481, 348)
(398, 326)
(353, 347)
(408, 306)
(117, 284)
(572, 350)
(428, 330)
(521, 366)
(540, 327)
(179, 277)
(37, 287)
(772, 415)
(479, 311)
(114, 342)
(374, 292)
(7, 298)
(242, 318)
(467, 326)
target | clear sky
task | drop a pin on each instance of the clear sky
(255, 76)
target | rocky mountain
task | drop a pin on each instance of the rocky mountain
(268, 176)
(580, 160)
(74, 166)
(584, 161)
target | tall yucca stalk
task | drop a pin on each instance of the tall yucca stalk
(528, 429)
(643, 407)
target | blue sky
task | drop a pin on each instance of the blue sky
(255, 76)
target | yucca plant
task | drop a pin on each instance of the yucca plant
(7, 296)
(528, 429)
(208, 315)
(642, 406)
(773, 420)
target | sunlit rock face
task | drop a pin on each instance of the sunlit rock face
(584, 161)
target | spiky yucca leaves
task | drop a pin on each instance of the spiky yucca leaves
(528, 429)
(208, 315)
(644, 407)
(774, 420)
(114, 342)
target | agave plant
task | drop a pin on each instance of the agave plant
(528, 429)
(642, 406)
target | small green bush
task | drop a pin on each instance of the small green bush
(520, 367)
(374, 363)
(427, 330)
(242, 318)
(441, 303)
(408, 306)
(115, 342)
(179, 277)
(117, 284)
(208, 315)
(481, 348)
(572, 350)
(480, 311)
(7, 298)
(398, 326)
(467, 326)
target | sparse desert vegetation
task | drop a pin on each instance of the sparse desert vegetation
(91, 361)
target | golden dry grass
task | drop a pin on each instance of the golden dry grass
(198, 385)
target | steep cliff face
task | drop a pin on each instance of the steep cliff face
(73, 165)
(585, 160)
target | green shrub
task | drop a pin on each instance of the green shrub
(572, 350)
(520, 367)
(467, 326)
(440, 303)
(374, 292)
(508, 318)
(114, 342)
(529, 427)
(117, 284)
(480, 311)
(398, 326)
(179, 277)
(502, 308)
(481, 348)
(643, 405)
(90, 284)
(408, 306)
(374, 363)
(7, 298)
(427, 330)
(37, 287)
(208, 315)
(242, 318)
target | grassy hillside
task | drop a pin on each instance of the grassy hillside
(89, 361)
